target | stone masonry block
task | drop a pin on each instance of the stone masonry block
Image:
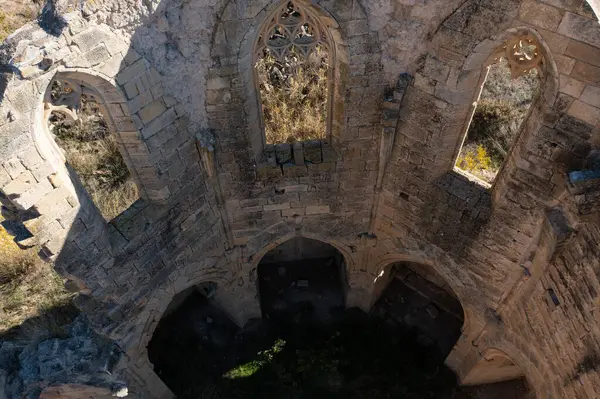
(89, 38)
(436, 69)
(97, 55)
(131, 72)
(14, 167)
(33, 195)
(283, 153)
(312, 151)
(159, 123)
(298, 153)
(20, 185)
(152, 111)
(585, 112)
(140, 101)
(571, 86)
(131, 90)
(317, 209)
(564, 64)
(4, 177)
(584, 52)
(580, 28)
(456, 97)
(591, 96)
(586, 73)
(540, 15)
(276, 207)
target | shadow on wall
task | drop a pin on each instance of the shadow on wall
(198, 352)
(454, 212)
(51, 19)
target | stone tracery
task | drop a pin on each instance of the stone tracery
(522, 53)
(292, 26)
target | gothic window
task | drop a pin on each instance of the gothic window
(293, 64)
(80, 125)
(510, 88)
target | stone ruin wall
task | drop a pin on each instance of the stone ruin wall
(175, 78)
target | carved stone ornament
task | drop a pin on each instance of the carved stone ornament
(522, 53)
(293, 26)
(64, 97)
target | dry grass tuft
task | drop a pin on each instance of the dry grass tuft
(14, 15)
(29, 287)
(500, 113)
(294, 96)
(91, 150)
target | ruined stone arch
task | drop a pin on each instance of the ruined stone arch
(459, 282)
(486, 53)
(472, 311)
(342, 248)
(116, 113)
(512, 347)
(235, 48)
(135, 340)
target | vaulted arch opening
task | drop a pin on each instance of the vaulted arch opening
(497, 372)
(416, 298)
(191, 345)
(302, 279)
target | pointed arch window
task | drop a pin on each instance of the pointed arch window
(80, 124)
(510, 86)
(293, 61)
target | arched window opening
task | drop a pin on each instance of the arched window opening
(302, 280)
(511, 86)
(78, 120)
(293, 65)
(419, 301)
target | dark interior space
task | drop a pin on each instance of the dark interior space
(306, 350)
(300, 280)
(418, 304)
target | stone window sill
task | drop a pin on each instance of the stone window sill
(299, 153)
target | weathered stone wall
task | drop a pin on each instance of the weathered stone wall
(176, 78)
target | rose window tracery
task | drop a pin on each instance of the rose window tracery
(292, 27)
(65, 99)
(293, 61)
(522, 54)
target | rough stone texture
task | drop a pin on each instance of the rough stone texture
(381, 190)
(83, 360)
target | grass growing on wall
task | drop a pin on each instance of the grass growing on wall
(294, 96)
(29, 287)
(91, 150)
(500, 113)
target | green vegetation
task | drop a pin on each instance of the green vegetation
(264, 358)
(30, 290)
(500, 113)
(91, 150)
(294, 96)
